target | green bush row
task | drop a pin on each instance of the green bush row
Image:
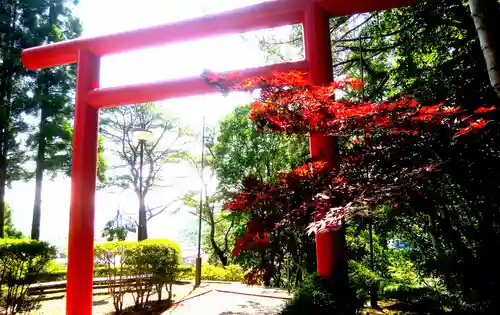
(209, 272)
(21, 262)
(213, 273)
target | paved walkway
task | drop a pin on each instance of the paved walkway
(208, 299)
(221, 303)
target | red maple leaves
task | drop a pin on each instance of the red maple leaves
(288, 103)
(314, 193)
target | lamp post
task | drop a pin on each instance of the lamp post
(198, 258)
(141, 135)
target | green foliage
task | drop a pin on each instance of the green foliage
(228, 273)
(363, 279)
(223, 235)
(423, 300)
(316, 295)
(117, 228)
(162, 258)
(213, 273)
(234, 273)
(153, 263)
(20, 263)
(241, 150)
(9, 230)
(116, 258)
(54, 267)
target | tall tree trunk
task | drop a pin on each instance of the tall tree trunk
(3, 183)
(40, 167)
(5, 95)
(3, 166)
(374, 287)
(485, 14)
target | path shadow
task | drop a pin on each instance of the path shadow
(252, 307)
(151, 308)
(190, 295)
(100, 302)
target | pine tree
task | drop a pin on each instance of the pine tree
(18, 21)
(51, 145)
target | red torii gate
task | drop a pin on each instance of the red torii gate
(313, 14)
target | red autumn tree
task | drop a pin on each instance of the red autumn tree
(387, 148)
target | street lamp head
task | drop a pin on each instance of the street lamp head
(141, 134)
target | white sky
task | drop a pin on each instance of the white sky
(186, 59)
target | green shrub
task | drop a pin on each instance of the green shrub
(21, 261)
(363, 279)
(213, 273)
(316, 295)
(154, 264)
(186, 272)
(113, 260)
(54, 267)
(54, 275)
(160, 259)
(216, 273)
(424, 300)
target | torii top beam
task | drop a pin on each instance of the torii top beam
(269, 14)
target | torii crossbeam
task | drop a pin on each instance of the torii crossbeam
(313, 14)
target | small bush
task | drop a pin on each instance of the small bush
(317, 295)
(186, 272)
(160, 259)
(113, 260)
(424, 300)
(20, 263)
(54, 267)
(254, 277)
(217, 273)
(363, 280)
(153, 265)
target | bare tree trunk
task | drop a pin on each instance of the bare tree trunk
(218, 251)
(485, 14)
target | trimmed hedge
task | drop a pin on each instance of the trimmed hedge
(208, 272)
(154, 264)
(21, 261)
(213, 273)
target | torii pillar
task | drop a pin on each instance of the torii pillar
(90, 98)
(330, 244)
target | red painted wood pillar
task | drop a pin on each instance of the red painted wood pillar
(83, 185)
(330, 244)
